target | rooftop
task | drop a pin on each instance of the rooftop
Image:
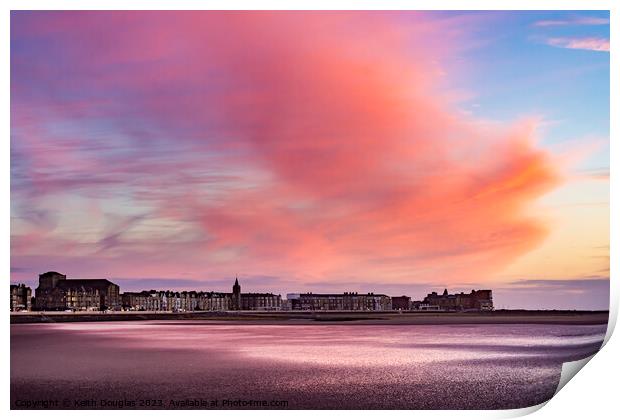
(93, 283)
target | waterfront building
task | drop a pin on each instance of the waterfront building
(57, 292)
(201, 301)
(21, 296)
(237, 301)
(217, 301)
(286, 305)
(477, 300)
(260, 302)
(401, 303)
(419, 305)
(141, 301)
(348, 301)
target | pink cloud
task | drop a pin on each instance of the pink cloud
(592, 44)
(574, 21)
(314, 146)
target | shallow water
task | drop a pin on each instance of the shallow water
(170, 364)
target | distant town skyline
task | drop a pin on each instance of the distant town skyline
(56, 292)
(387, 152)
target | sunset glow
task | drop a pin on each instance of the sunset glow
(395, 152)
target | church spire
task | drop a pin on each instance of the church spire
(236, 295)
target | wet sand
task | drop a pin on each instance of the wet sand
(170, 364)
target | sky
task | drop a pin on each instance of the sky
(386, 152)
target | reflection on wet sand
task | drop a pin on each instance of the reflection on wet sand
(310, 366)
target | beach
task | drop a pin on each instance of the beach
(309, 318)
(184, 364)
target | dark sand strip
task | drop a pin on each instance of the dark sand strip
(347, 318)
